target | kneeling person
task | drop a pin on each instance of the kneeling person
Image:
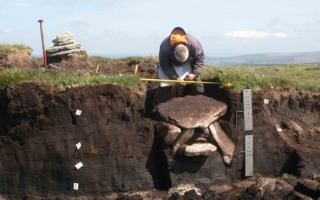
(181, 58)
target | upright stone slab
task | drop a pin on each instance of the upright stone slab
(168, 133)
(225, 144)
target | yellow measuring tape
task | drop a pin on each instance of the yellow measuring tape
(226, 85)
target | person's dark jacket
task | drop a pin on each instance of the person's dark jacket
(196, 56)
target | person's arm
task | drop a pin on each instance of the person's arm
(165, 64)
(198, 57)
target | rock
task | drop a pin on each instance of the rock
(198, 149)
(295, 127)
(316, 177)
(67, 52)
(192, 111)
(168, 132)
(183, 188)
(63, 48)
(67, 42)
(268, 188)
(201, 136)
(62, 37)
(200, 140)
(206, 132)
(182, 139)
(224, 142)
(227, 159)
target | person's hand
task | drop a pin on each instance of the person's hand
(179, 79)
(190, 77)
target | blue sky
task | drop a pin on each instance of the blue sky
(137, 27)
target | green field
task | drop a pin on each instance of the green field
(303, 77)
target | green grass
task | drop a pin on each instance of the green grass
(61, 78)
(303, 76)
(7, 48)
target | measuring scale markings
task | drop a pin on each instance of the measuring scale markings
(247, 105)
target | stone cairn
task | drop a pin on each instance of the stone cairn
(64, 45)
(190, 127)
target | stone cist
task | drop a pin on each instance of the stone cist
(181, 58)
(191, 128)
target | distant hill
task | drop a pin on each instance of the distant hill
(266, 59)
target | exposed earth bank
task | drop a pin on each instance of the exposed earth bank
(19, 57)
(120, 152)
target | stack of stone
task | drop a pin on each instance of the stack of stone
(191, 123)
(64, 45)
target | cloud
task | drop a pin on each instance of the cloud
(255, 35)
(8, 30)
(280, 35)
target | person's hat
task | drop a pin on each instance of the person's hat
(179, 29)
(181, 53)
(178, 36)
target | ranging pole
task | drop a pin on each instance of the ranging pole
(43, 45)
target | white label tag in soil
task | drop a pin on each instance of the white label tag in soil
(78, 165)
(78, 145)
(247, 105)
(78, 112)
(75, 186)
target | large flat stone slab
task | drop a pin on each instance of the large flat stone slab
(64, 48)
(63, 43)
(67, 52)
(192, 111)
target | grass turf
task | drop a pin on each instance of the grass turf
(62, 78)
(301, 76)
